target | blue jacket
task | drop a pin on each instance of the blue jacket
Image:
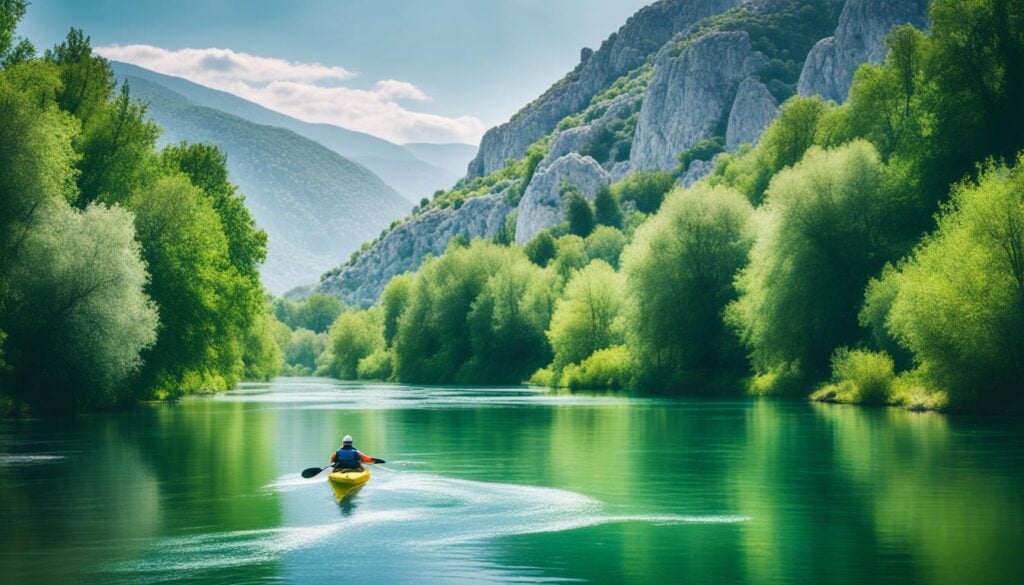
(349, 458)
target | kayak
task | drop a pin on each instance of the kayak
(345, 481)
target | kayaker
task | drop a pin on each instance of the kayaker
(348, 457)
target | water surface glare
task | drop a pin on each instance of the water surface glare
(511, 485)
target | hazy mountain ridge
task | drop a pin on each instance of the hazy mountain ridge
(411, 176)
(314, 204)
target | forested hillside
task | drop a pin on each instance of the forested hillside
(871, 250)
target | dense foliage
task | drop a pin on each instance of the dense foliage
(126, 272)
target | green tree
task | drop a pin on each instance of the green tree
(353, 337)
(541, 249)
(605, 243)
(578, 212)
(680, 270)
(508, 322)
(827, 226)
(318, 311)
(199, 341)
(262, 356)
(570, 255)
(77, 316)
(646, 190)
(958, 302)
(782, 145)
(13, 50)
(207, 167)
(434, 341)
(607, 210)
(588, 315)
(304, 347)
(393, 302)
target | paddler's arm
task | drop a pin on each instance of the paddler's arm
(364, 458)
(334, 457)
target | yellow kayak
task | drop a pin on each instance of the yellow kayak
(345, 481)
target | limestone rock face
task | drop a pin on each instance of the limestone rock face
(752, 110)
(697, 170)
(577, 138)
(642, 35)
(542, 204)
(689, 96)
(828, 70)
(404, 248)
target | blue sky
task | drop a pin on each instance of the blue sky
(405, 70)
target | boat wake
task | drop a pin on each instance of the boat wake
(421, 514)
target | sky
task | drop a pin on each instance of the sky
(403, 70)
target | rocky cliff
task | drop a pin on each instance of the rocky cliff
(542, 204)
(829, 67)
(642, 35)
(690, 96)
(669, 80)
(403, 249)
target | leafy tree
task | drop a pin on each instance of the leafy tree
(588, 315)
(353, 337)
(434, 341)
(198, 345)
(827, 226)
(206, 166)
(645, 189)
(87, 81)
(578, 212)
(262, 356)
(393, 302)
(318, 311)
(605, 243)
(679, 271)
(508, 321)
(541, 249)
(13, 50)
(77, 316)
(607, 210)
(304, 347)
(976, 67)
(782, 145)
(958, 302)
(570, 256)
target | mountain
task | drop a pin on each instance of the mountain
(412, 177)
(680, 77)
(314, 204)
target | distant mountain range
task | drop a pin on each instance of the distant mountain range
(414, 172)
(318, 190)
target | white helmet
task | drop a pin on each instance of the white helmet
(347, 440)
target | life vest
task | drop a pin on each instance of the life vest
(347, 459)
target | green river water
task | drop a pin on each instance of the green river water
(511, 485)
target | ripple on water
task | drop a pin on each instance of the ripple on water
(417, 512)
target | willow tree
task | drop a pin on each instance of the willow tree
(679, 271)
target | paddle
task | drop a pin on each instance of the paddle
(315, 471)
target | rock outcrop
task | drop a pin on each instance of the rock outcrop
(579, 137)
(542, 204)
(752, 110)
(642, 35)
(404, 248)
(690, 95)
(829, 67)
(697, 170)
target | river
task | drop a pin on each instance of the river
(511, 485)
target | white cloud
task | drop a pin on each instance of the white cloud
(308, 91)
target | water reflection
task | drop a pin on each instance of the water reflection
(499, 485)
